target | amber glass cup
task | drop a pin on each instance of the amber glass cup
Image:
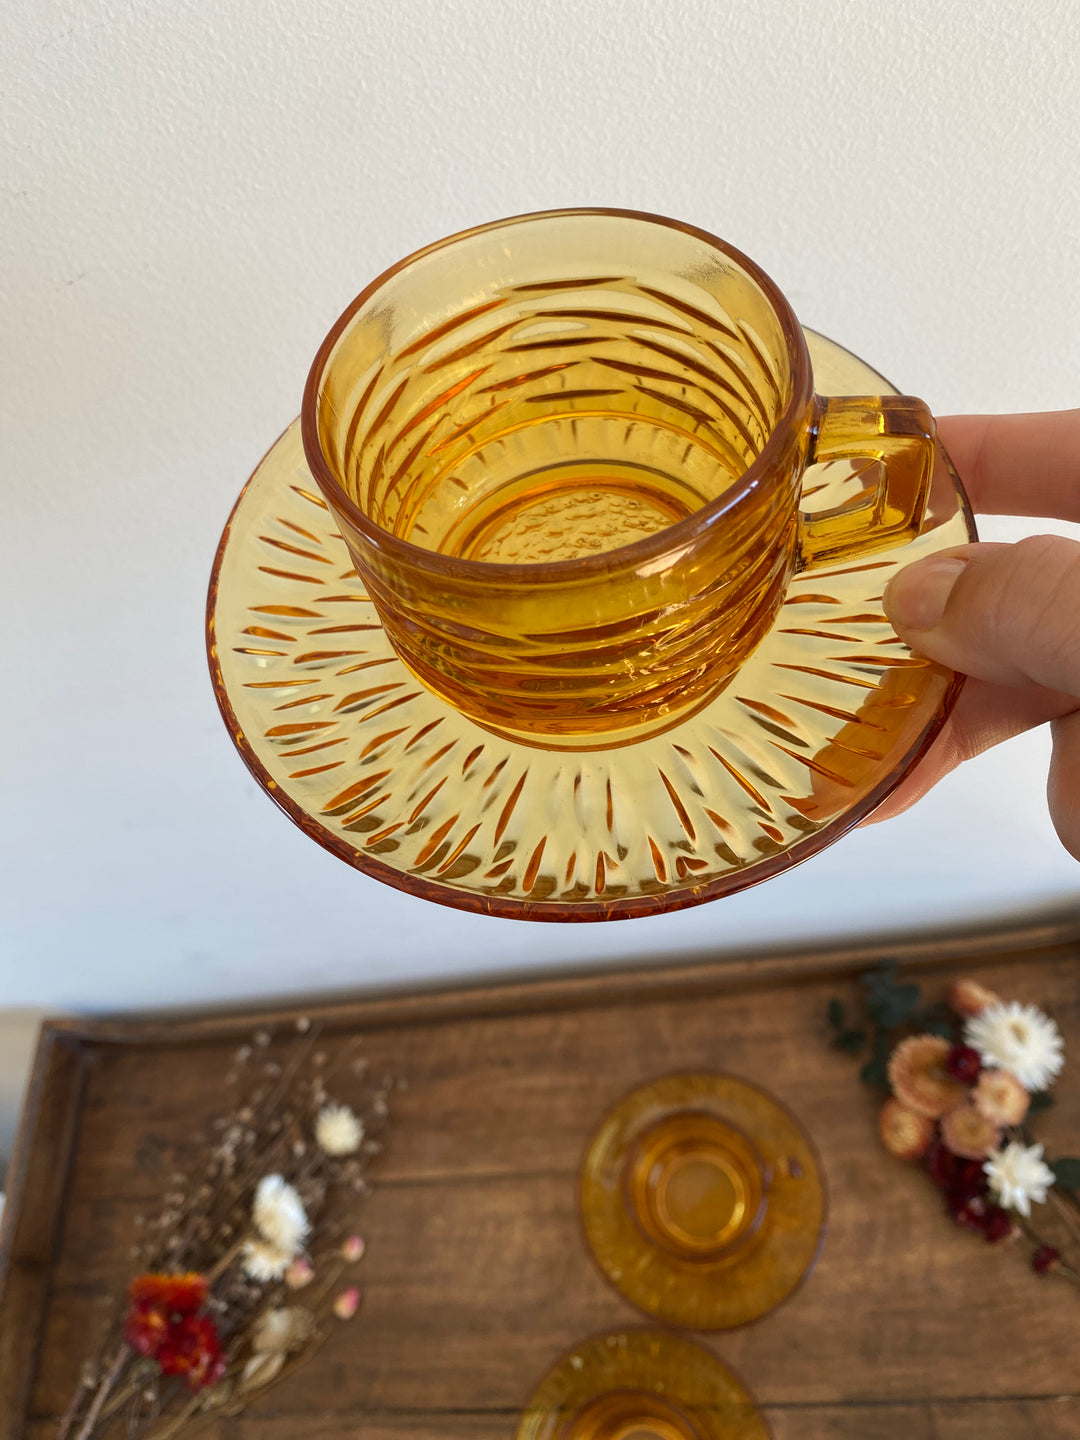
(566, 454)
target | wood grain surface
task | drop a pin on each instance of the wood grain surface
(476, 1277)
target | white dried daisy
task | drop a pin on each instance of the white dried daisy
(279, 1215)
(1017, 1175)
(262, 1260)
(1019, 1038)
(338, 1131)
(279, 1331)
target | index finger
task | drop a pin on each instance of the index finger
(1018, 464)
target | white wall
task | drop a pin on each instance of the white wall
(191, 191)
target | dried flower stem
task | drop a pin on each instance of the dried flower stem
(291, 1366)
(117, 1400)
(1065, 1210)
(72, 1410)
(108, 1381)
(224, 1263)
(167, 1431)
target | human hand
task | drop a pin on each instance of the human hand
(1008, 616)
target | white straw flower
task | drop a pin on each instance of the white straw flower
(1017, 1175)
(264, 1366)
(262, 1260)
(1019, 1038)
(279, 1214)
(338, 1131)
(279, 1331)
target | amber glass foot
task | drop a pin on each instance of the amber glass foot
(641, 1385)
(703, 1201)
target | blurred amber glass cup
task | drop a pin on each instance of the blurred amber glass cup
(566, 454)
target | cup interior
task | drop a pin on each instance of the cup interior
(553, 386)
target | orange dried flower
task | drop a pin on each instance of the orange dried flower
(968, 997)
(919, 1079)
(1000, 1097)
(904, 1133)
(968, 1133)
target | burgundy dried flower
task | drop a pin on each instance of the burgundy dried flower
(998, 1225)
(1045, 1259)
(960, 1178)
(971, 1214)
(963, 1062)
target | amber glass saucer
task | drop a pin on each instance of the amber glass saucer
(820, 724)
(703, 1201)
(641, 1385)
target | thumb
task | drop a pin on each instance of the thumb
(1009, 614)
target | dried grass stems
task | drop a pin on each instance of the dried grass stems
(198, 1334)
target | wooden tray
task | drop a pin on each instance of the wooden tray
(476, 1277)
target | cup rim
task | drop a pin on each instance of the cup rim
(586, 566)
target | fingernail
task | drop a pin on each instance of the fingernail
(916, 598)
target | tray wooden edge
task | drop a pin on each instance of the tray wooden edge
(30, 1229)
(624, 983)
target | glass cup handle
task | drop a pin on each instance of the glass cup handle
(890, 440)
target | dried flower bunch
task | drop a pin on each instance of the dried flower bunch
(963, 1078)
(245, 1270)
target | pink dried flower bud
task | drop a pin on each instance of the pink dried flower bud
(353, 1248)
(967, 997)
(300, 1273)
(347, 1303)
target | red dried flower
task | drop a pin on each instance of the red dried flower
(157, 1302)
(193, 1348)
(164, 1325)
(963, 1062)
(146, 1329)
(1044, 1259)
(173, 1294)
